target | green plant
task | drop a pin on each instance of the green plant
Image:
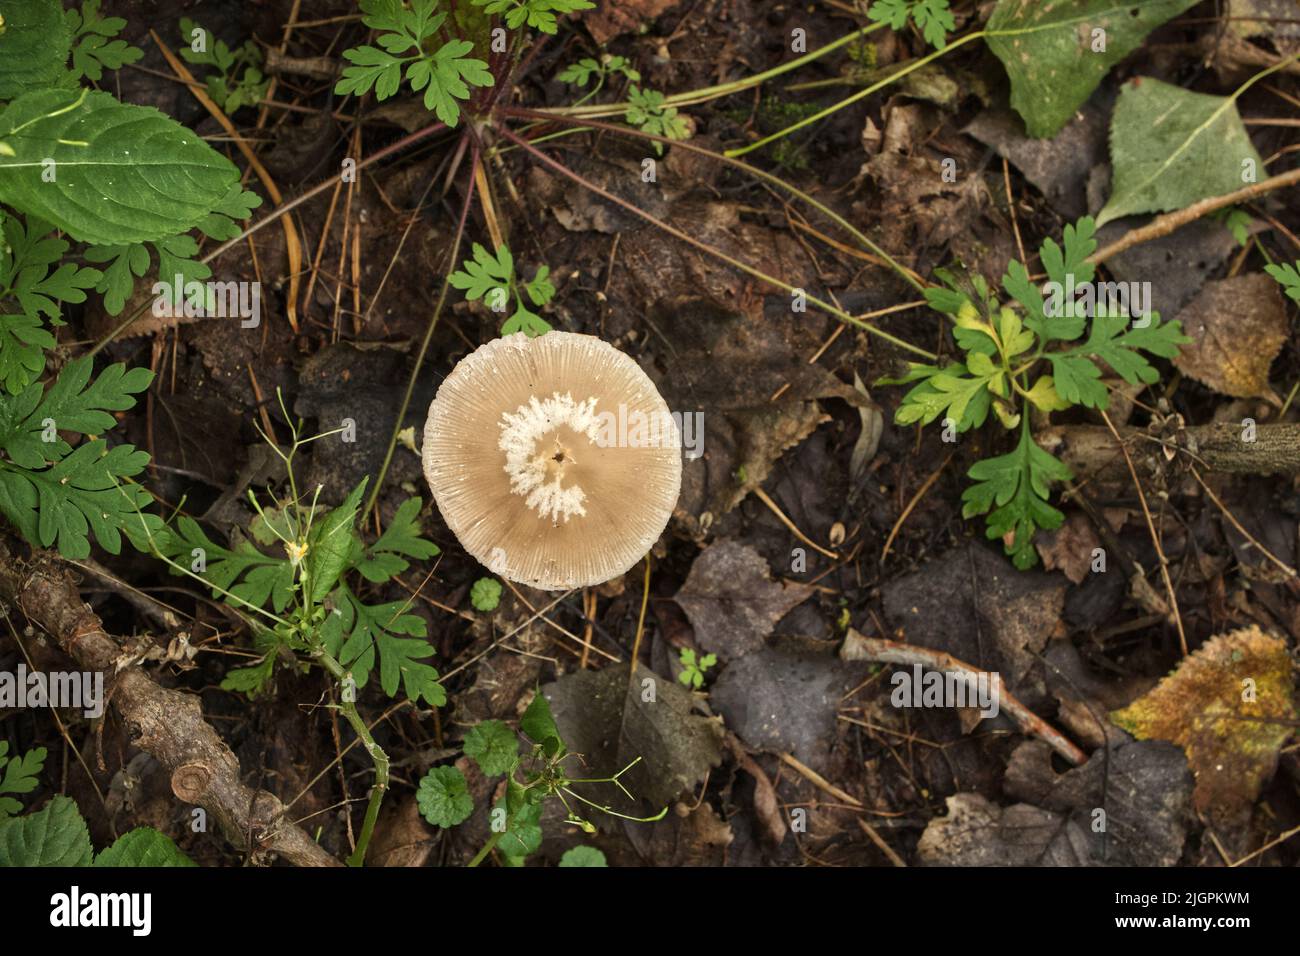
(1005, 354)
(649, 113)
(18, 775)
(1287, 276)
(96, 48)
(304, 599)
(932, 17)
(239, 80)
(538, 14)
(445, 73)
(491, 277)
(693, 669)
(532, 778)
(585, 856)
(580, 73)
(485, 595)
(56, 835)
(60, 479)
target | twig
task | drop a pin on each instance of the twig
(1164, 225)
(1151, 527)
(293, 246)
(165, 723)
(763, 496)
(896, 652)
(916, 498)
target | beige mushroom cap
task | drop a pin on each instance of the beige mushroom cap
(553, 459)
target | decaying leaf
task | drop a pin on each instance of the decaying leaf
(611, 722)
(732, 601)
(1237, 327)
(1230, 707)
(1056, 53)
(978, 832)
(1171, 147)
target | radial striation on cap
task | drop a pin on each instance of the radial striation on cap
(553, 460)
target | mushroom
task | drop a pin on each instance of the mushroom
(553, 459)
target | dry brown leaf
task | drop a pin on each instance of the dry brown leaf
(1230, 707)
(1237, 327)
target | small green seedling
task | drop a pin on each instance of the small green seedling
(485, 595)
(491, 277)
(693, 670)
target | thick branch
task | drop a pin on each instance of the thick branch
(165, 723)
(1091, 451)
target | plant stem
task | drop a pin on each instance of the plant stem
(479, 857)
(908, 275)
(428, 332)
(377, 755)
(717, 254)
(861, 94)
(276, 213)
(695, 97)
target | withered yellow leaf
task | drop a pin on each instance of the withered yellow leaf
(1230, 707)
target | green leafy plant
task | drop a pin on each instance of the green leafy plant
(932, 17)
(304, 599)
(532, 777)
(491, 277)
(485, 595)
(445, 74)
(301, 592)
(97, 48)
(649, 112)
(238, 80)
(57, 495)
(694, 669)
(18, 775)
(538, 14)
(1003, 371)
(584, 856)
(1287, 276)
(56, 835)
(580, 73)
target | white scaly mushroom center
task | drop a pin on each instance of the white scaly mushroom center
(537, 458)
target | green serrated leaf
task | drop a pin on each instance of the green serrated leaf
(121, 173)
(19, 776)
(1171, 147)
(55, 835)
(485, 594)
(356, 634)
(443, 797)
(1288, 276)
(1048, 50)
(586, 856)
(386, 558)
(34, 45)
(1018, 484)
(143, 847)
(493, 746)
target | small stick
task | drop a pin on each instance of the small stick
(1164, 225)
(896, 652)
(780, 515)
(916, 498)
(293, 246)
(1151, 527)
